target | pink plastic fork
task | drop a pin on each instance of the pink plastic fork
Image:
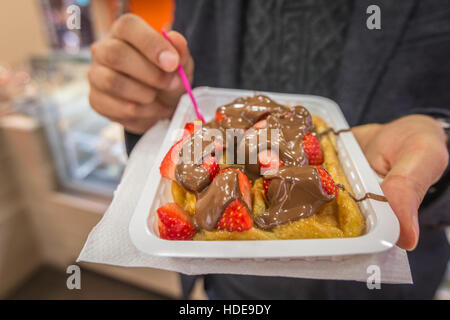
(186, 84)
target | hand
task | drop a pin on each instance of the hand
(411, 154)
(133, 74)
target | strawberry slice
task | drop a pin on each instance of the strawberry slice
(174, 223)
(169, 163)
(328, 184)
(188, 129)
(220, 116)
(244, 186)
(311, 145)
(210, 163)
(269, 160)
(261, 124)
(266, 183)
(235, 218)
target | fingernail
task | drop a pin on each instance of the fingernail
(168, 60)
(174, 83)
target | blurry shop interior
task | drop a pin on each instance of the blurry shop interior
(61, 161)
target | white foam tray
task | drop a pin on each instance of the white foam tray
(382, 227)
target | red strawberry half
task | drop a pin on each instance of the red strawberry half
(266, 183)
(220, 116)
(169, 163)
(328, 184)
(268, 160)
(235, 218)
(244, 186)
(261, 124)
(189, 129)
(311, 145)
(210, 163)
(174, 223)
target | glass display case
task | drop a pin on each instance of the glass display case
(88, 150)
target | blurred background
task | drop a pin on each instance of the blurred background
(60, 161)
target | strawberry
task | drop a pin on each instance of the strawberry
(311, 145)
(244, 186)
(188, 129)
(266, 183)
(235, 218)
(261, 124)
(169, 163)
(220, 116)
(174, 223)
(269, 160)
(210, 163)
(328, 184)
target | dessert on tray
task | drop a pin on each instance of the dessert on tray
(259, 171)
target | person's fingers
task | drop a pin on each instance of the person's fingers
(145, 39)
(417, 165)
(180, 44)
(403, 199)
(119, 85)
(120, 56)
(122, 110)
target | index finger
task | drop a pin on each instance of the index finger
(135, 31)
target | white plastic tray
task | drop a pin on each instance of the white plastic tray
(382, 227)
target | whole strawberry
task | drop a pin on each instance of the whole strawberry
(312, 148)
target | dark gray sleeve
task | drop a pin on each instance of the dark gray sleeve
(435, 209)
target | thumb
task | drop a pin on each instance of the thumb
(404, 198)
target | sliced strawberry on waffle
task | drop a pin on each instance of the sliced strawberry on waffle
(312, 148)
(244, 186)
(266, 183)
(220, 116)
(189, 129)
(261, 124)
(174, 223)
(235, 218)
(210, 163)
(268, 160)
(328, 184)
(169, 163)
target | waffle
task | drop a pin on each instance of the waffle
(339, 218)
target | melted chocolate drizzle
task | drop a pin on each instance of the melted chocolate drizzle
(368, 195)
(327, 131)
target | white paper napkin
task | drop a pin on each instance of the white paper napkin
(109, 241)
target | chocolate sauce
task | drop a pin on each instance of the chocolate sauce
(212, 201)
(242, 113)
(281, 131)
(368, 195)
(327, 131)
(294, 193)
(189, 171)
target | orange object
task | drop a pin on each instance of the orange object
(157, 13)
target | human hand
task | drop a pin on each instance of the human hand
(133, 74)
(411, 154)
